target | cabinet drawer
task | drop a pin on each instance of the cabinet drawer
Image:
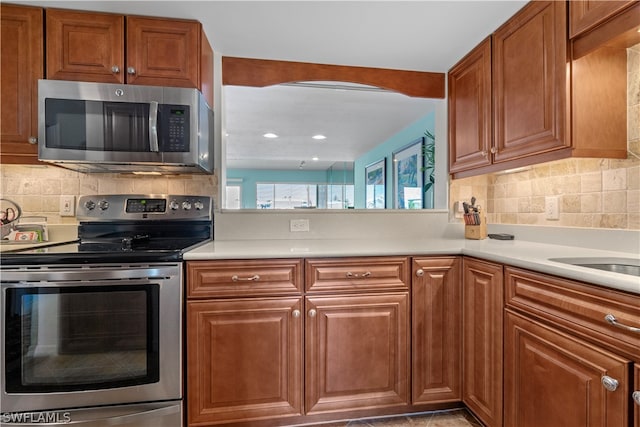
(356, 274)
(579, 307)
(244, 278)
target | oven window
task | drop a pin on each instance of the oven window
(80, 338)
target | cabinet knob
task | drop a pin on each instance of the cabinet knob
(636, 397)
(494, 150)
(115, 69)
(131, 70)
(420, 273)
(485, 153)
(312, 312)
(33, 140)
(295, 313)
(609, 383)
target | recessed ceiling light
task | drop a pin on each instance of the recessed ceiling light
(319, 137)
(270, 135)
(315, 159)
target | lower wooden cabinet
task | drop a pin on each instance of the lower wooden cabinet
(258, 349)
(482, 305)
(636, 395)
(569, 348)
(244, 359)
(554, 379)
(356, 352)
(436, 330)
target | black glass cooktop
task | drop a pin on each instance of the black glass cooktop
(122, 243)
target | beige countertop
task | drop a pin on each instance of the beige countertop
(530, 255)
(58, 233)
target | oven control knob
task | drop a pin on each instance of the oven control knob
(103, 205)
(186, 205)
(173, 205)
(90, 205)
(198, 205)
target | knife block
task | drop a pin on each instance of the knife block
(476, 232)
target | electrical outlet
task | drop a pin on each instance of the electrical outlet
(458, 209)
(551, 208)
(296, 225)
(67, 205)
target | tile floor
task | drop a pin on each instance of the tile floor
(448, 418)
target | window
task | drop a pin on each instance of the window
(300, 195)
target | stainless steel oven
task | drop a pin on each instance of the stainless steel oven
(79, 336)
(91, 330)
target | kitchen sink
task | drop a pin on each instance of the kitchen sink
(630, 266)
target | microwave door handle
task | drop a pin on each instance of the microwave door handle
(153, 127)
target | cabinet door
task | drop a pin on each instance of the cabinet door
(482, 305)
(436, 330)
(553, 379)
(163, 52)
(530, 82)
(587, 14)
(85, 46)
(244, 359)
(356, 352)
(21, 67)
(470, 110)
(636, 395)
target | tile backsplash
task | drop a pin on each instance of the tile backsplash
(595, 193)
(37, 189)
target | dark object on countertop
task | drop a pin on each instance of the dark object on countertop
(501, 236)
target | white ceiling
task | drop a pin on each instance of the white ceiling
(410, 35)
(353, 122)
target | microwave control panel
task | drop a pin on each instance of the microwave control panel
(174, 128)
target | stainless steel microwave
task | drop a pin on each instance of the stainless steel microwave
(100, 127)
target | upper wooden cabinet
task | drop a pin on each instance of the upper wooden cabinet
(586, 14)
(545, 101)
(508, 97)
(108, 48)
(21, 67)
(530, 91)
(470, 110)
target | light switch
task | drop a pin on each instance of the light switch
(67, 205)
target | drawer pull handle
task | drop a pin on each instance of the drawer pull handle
(611, 319)
(253, 278)
(351, 275)
(636, 397)
(609, 383)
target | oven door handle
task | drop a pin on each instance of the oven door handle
(106, 417)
